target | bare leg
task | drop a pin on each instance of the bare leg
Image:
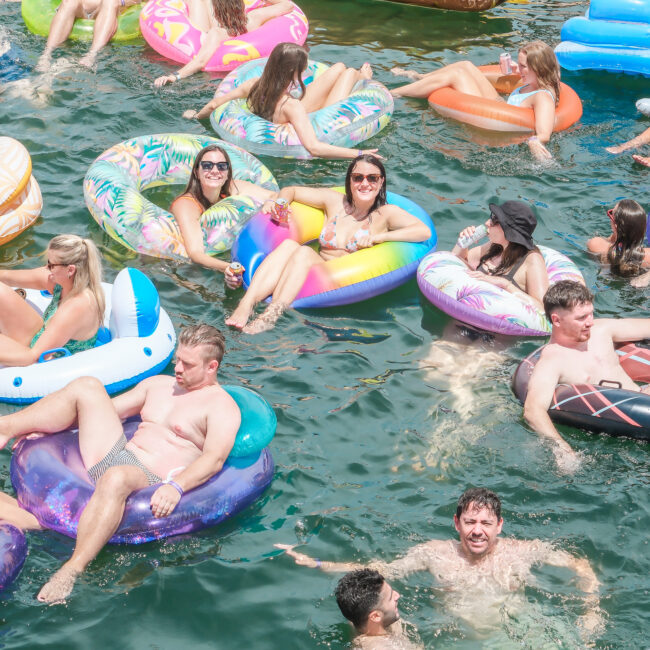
(10, 511)
(404, 72)
(644, 138)
(332, 86)
(264, 282)
(105, 27)
(642, 160)
(60, 29)
(199, 14)
(462, 76)
(17, 319)
(98, 522)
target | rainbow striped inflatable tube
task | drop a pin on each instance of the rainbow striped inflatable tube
(445, 281)
(113, 192)
(604, 408)
(165, 25)
(38, 15)
(612, 35)
(13, 550)
(51, 481)
(364, 113)
(360, 275)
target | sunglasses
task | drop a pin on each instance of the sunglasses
(207, 165)
(51, 265)
(373, 179)
(493, 220)
(610, 214)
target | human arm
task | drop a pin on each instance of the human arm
(641, 280)
(321, 198)
(240, 92)
(402, 226)
(544, 109)
(222, 423)
(643, 138)
(273, 8)
(131, 403)
(622, 330)
(28, 278)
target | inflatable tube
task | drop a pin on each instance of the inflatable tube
(38, 15)
(494, 115)
(611, 36)
(602, 408)
(13, 550)
(444, 280)
(165, 25)
(52, 483)
(15, 169)
(21, 212)
(455, 5)
(114, 182)
(643, 106)
(137, 341)
(360, 116)
(360, 275)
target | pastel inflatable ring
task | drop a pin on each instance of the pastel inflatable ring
(114, 182)
(52, 483)
(38, 15)
(495, 115)
(166, 26)
(13, 550)
(15, 170)
(21, 212)
(347, 123)
(444, 280)
(360, 275)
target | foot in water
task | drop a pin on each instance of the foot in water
(365, 71)
(59, 586)
(642, 160)
(240, 316)
(88, 61)
(267, 320)
(615, 150)
(403, 72)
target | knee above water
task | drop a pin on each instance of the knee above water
(114, 482)
(87, 385)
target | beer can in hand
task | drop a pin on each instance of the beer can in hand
(505, 61)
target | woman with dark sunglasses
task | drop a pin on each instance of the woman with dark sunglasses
(624, 249)
(210, 181)
(73, 275)
(358, 219)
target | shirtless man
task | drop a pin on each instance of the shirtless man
(481, 570)
(103, 12)
(581, 351)
(188, 428)
(370, 604)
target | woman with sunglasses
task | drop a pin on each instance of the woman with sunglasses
(510, 259)
(210, 181)
(624, 249)
(280, 96)
(358, 219)
(73, 275)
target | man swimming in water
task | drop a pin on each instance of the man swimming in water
(370, 604)
(103, 12)
(581, 351)
(188, 428)
(481, 569)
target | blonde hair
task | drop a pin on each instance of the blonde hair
(72, 249)
(542, 61)
(206, 335)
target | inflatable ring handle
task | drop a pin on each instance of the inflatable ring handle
(42, 359)
(610, 383)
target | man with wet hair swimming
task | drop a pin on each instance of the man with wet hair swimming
(481, 570)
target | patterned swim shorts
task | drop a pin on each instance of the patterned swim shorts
(120, 456)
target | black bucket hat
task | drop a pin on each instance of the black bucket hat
(517, 220)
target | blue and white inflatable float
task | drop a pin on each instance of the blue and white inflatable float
(137, 341)
(613, 35)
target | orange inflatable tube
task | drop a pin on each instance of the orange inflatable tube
(494, 115)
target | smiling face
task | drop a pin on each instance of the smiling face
(365, 182)
(478, 529)
(527, 75)
(575, 323)
(212, 179)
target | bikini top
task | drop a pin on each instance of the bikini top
(328, 240)
(510, 275)
(517, 97)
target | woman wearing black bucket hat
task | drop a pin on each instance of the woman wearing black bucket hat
(510, 259)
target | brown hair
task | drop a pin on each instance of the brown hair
(626, 254)
(287, 62)
(194, 184)
(212, 340)
(512, 253)
(542, 61)
(566, 294)
(380, 199)
(480, 498)
(231, 15)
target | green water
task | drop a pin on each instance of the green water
(380, 425)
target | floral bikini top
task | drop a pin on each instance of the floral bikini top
(328, 240)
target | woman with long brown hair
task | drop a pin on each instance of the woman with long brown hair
(540, 76)
(281, 96)
(221, 20)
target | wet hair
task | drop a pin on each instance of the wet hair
(287, 62)
(512, 253)
(380, 199)
(72, 249)
(626, 254)
(479, 498)
(194, 184)
(566, 294)
(212, 340)
(231, 15)
(357, 595)
(541, 59)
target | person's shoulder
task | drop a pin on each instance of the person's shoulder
(157, 381)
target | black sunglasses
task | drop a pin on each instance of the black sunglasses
(373, 179)
(51, 265)
(207, 165)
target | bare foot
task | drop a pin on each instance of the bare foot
(59, 586)
(403, 72)
(267, 320)
(365, 71)
(618, 149)
(642, 160)
(240, 316)
(641, 281)
(44, 63)
(88, 61)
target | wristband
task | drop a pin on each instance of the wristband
(177, 75)
(360, 152)
(319, 564)
(532, 138)
(175, 485)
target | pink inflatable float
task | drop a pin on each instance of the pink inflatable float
(165, 25)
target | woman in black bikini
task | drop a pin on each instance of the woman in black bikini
(510, 259)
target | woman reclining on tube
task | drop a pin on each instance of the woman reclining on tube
(280, 96)
(73, 274)
(360, 218)
(540, 75)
